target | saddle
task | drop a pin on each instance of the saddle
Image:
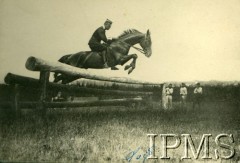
(82, 59)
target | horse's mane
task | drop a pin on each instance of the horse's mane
(128, 31)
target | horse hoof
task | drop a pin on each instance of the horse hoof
(127, 67)
(57, 79)
(129, 72)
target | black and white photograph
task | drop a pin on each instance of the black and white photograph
(120, 81)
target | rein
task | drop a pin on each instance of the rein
(138, 49)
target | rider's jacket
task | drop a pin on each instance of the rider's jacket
(98, 36)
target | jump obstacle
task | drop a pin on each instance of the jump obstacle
(43, 84)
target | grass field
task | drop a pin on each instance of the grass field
(109, 134)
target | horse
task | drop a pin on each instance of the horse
(116, 54)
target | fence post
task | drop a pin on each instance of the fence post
(164, 96)
(15, 109)
(16, 100)
(44, 80)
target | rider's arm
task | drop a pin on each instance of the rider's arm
(102, 35)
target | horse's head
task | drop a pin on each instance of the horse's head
(146, 44)
(132, 36)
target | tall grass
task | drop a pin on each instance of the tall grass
(108, 134)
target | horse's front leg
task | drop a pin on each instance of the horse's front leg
(132, 65)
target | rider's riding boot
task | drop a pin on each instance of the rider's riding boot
(105, 65)
(109, 51)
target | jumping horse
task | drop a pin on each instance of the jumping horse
(117, 54)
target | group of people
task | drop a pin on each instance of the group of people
(198, 92)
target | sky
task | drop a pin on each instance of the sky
(192, 40)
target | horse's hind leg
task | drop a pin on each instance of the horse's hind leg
(57, 77)
(68, 78)
(64, 78)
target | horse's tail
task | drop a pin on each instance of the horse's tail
(64, 59)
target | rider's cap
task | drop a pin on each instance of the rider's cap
(108, 21)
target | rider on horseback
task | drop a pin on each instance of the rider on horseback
(96, 45)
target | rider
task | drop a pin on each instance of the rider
(98, 36)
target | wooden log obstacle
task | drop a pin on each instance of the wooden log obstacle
(36, 64)
(12, 79)
(44, 85)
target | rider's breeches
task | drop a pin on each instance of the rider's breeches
(98, 47)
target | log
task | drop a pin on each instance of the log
(22, 80)
(35, 83)
(26, 105)
(109, 102)
(36, 64)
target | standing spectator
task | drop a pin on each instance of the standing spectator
(169, 92)
(183, 94)
(198, 91)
